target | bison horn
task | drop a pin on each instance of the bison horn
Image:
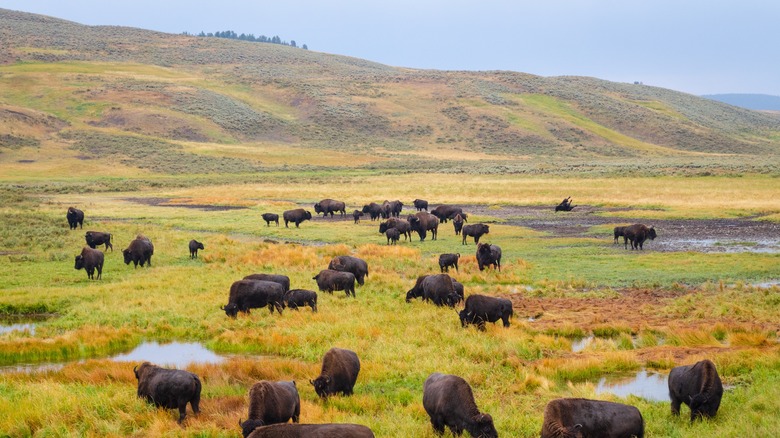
(222, 308)
(239, 421)
(135, 369)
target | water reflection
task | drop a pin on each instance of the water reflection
(174, 354)
(650, 386)
(8, 328)
(581, 344)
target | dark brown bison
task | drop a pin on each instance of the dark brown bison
(90, 259)
(481, 309)
(446, 212)
(327, 430)
(254, 294)
(357, 214)
(423, 222)
(476, 231)
(95, 238)
(579, 418)
(619, 232)
(330, 206)
(194, 247)
(170, 389)
(355, 265)
(698, 386)
(447, 260)
(296, 216)
(271, 403)
(487, 255)
(283, 280)
(449, 401)
(395, 208)
(437, 288)
(565, 205)
(393, 236)
(296, 298)
(75, 217)
(637, 234)
(420, 204)
(140, 251)
(339, 373)
(402, 225)
(329, 280)
(270, 217)
(457, 223)
(373, 209)
(458, 287)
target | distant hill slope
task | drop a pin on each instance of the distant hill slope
(139, 98)
(760, 102)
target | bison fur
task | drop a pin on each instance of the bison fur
(579, 418)
(449, 401)
(698, 386)
(339, 373)
(168, 388)
(90, 260)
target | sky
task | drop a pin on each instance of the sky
(694, 46)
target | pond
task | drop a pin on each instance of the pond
(22, 323)
(648, 385)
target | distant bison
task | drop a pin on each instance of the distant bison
(481, 309)
(75, 217)
(402, 225)
(449, 401)
(423, 222)
(392, 236)
(395, 208)
(194, 247)
(329, 280)
(373, 209)
(445, 212)
(283, 280)
(420, 204)
(637, 234)
(270, 217)
(619, 232)
(140, 251)
(327, 430)
(296, 298)
(356, 215)
(271, 403)
(565, 205)
(339, 373)
(330, 206)
(355, 265)
(295, 216)
(447, 260)
(579, 417)
(457, 223)
(170, 389)
(437, 288)
(95, 238)
(253, 294)
(487, 255)
(476, 231)
(698, 386)
(89, 260)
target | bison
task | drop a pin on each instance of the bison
(402, 225)
(283, 280)
(423, 222)
(445, 212)
(476, 231)
(253, 294)
(271, 403)
(698, 386)
(457, 223)
(75, 217)
(437, 288)
(330, 206)
(373, 209)
(447, 260)
(449, 401)
(355, 265)
(619, 232)
(329, 280)
(327, 430)
(270, 217)
(487, 255)
(356, 215)
(168, 388)
(637, 234)
(565, 205)
(339, 373)
(481, 309)
(194, 247)
(300, 298)
(458, 287)
(295, 216)
(579, 417)
(392, 236)
(140, 251)
(95, 238)
(395, 208)
(420, 204)
(89, 260)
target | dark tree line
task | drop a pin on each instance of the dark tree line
(249, 37)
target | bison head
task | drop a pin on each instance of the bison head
(651, 233)
(249, 425)
(321, 384)
(307, 214)
(317, 208)
(698, 405)
(231, 310)
(79, 262)
(127, 255)
(383, 227)
(463, 314)
(485, 426)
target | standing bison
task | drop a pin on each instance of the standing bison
(283, 280)
(194, 247)
(75, 217)
(579, 417)
(326, 430)
(295, 216)
(445, 212)
(420, 204)
(330, 206)
(487, 255)
(254, 294)
(271, 403)
(481, 309)
(95, 238)
(447, 260)
(339, 373)
(270, 217)
(476, 231)
(356, 215)
(449, 401)
(619, 232)
(296, 298)
(402, 225)
(170, 389)
(355, 265)
(698, 386)
(457, 223)
(140, 251)
(423, 222)
(392, 235)
(637, 234)
(89, 260)
(329, 280)
(437, 288)
(373, 209)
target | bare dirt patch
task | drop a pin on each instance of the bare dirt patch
(166, 202)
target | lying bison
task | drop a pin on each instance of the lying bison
(96, 238)
(270, 217)
(619, 232)
(402, 225)
(356, 215)
(75, 217)
(437, 288)
(355, 265)
(420, 204)
(329, 280)
(579, 417)
(254, 294)
(373, 209)
(339, 373)
(194, 247)
(393, 236)
(89, 260)
(296, 298)
(637, 234)
(447, 260)
(271, 403)
(476, 231)
(296, 216)
(481, 309)
(457, 223)
(445, 212)
(449, 401)
(423, 222)
(698, 386)
(140, 251)
(565, 205)
(170, 389)
(327, 430)
(283, 280)
(487, 255)
(330, 206)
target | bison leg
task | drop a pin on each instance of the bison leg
(456, 266)
(675, 406)
(285, 224)
(182, 411)
(438, 425)
(313, 305)
(505, 319)
(100, 271)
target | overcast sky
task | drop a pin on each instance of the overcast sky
(694, 46)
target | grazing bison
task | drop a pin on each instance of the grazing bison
(392, 236)
(75, 217)
(449, 401)
(168, 388)
(357, 214)
(476, 231)
(330, 280)
(457, 222)
(423, 222)
(487, 255)
(445, 212)
(402, 225)
(283, 280)
(619, 232)
(330, 206)
(295, 216)
(270, 217)
(271, 403)
(458, 290)
(698, 386)
(327, 430)
(373, 209)
(637, 234)
(300, 298)
(447, 260)
(254, 294)
(140, 251)
(194, 247)
(481, 309)
(355, 265)
(339, 373)
(579, 417)
(437, 288)
(95, 238)
(90, 259)
(420, 204)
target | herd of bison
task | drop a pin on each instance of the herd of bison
(448, 399)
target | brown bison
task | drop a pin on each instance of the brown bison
(487, 255)
(327, 430)
(170, 389)
(395, 208)
(423, 222)
(270, 217)
(356, 215)
(698, 386)
(283, 280)
(393, 236)
(330, 280)
(481, 309)
(75, 217)
(579, 417)
(89, 260)
(140, 251)
(457, 223)
(330, 206)
(355, 265)
(619, 232)
(476, 231)
(339, 373)
(445, 212)
(437, 288)
(458, 287)
(295, 216)
(271, 403)
(637, 234)
(296, 298)
(254, 294)
(449, 401)
(402, 225)
(95, 238)
(420, 204)
(373, 209)
(194, 247)
(447, 260)
(565, 205)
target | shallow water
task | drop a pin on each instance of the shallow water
(581, 344)
(8, 328)
(648, 385)
(175, 354)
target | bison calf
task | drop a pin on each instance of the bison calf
(271, 403)
(356, 215)
(619, 232)
(474, 230)
(170, 389)
(420, 204)
(329, 280)
(300, 298)
(270, 217)
(194, 247)
(327, 430)
(89, 260)
(449, 401)
(393, 235)
(579, 417)
(339, 373)
(698, 386)
(447, 260)
(481, 309)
